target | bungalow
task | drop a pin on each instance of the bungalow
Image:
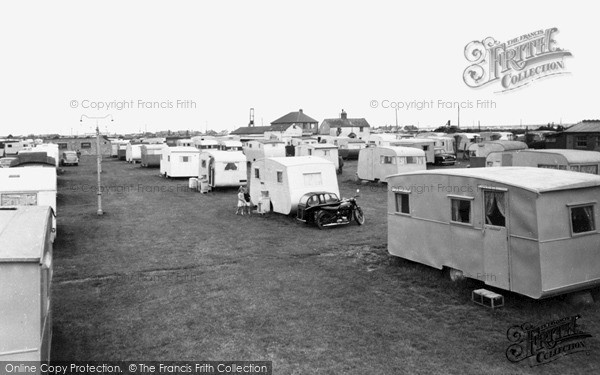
(582, 136)
(345, 127)
(86, 145)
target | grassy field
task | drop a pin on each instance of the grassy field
(171, 274)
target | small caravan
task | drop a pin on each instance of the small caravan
(180, 162)
(376, 163)
(150, 154)
(478, 152)
(255, 149)
(325, 150)
(205, 144)
(26, 279)
(284, 180)
(570, 160)
(533, 231)
(382, 139)
(133, 153)
(185, 142)
(427, 145)
(223, 168)
(349, 148)
(229, 145)
(22, 186)
(12, 147)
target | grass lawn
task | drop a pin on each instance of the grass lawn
(171, 274)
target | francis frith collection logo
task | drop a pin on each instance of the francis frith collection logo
(547, 342)
(514, 63)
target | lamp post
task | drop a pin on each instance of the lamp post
(98, 158)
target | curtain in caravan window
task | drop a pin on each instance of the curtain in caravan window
(313, 179)
(592, 169)
(495, 208)
(401, 160)
(230, 167)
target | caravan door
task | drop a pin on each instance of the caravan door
(495, 239)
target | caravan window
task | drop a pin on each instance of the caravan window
(279, 176)
(574, 168)
(425, 148)
(461, 211)
(415, 160)
(185, 159)
(582, 219)
(387, 159)
(313, 179)
(86, 145)
(552, 166)
(203, 163)
(495, 208)
(592, 169)
(402, 203)
(309, 151)
(62, 146)
(230, 167)
(256, 173)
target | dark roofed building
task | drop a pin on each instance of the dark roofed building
(345, 127)
(308, 124)
(251, 130)
(581, 136)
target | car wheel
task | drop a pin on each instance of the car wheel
(359, 216)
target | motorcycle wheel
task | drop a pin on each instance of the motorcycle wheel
(359, 216)
(321, 219)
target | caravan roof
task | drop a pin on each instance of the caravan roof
(404, 151)
(572, 156)
(225, 156)
(322, 145)
(183, 149)
(22, 178)
(23, 233)
(300, 160)
(537, 180)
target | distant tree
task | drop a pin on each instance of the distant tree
(211, 132)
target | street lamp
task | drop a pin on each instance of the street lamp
(98, 157)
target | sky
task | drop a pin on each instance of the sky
(191, 65)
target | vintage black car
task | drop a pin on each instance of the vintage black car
(311, 203)
(325, 209)
(442, 158)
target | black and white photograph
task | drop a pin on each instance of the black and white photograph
(299, 187)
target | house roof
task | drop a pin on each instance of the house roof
(293, 118)
(188, 149)
(245, 130)
(346, 122)
(537, 180)
(23, 233)
(586, 126)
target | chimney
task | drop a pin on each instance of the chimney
(343, 115)
(300, 110)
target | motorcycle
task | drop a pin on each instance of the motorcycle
(340, 214)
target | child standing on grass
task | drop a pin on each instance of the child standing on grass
(241, 202)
